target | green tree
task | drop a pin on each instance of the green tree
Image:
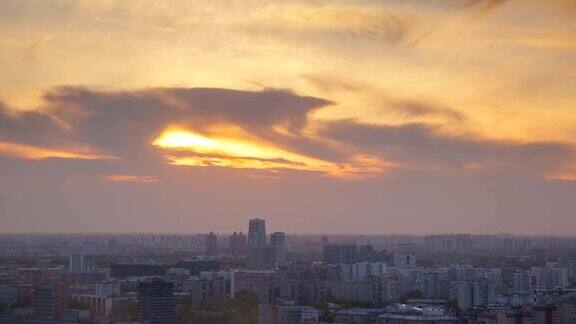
(184, 313)
(246, 303)
(125, 311)
(243, 308)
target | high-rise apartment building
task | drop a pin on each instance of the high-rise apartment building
(449, 243)
(366, 252)
(156, 302)
(211, 244)
(256, 232)
(237, 244)
(475, 293)
(550, 277)
(539, 255)
(64, 249)
(428, 282)
(405, 261)
(112, 247)
(51, 301)
(76, 262)
(278, 247)
(89, 247)
(256, 243)
(257, 257)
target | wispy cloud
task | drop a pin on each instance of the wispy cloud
(128, 178)
(24, 151)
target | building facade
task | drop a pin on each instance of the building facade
(156, 302)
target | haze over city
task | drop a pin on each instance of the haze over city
(358, 117)
(288, 162)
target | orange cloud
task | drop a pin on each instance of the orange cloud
(130, 178)
(566, 174)
(36, 153)
(246, 153)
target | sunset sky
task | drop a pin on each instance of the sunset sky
(360, 116)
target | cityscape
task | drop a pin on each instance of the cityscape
(287, 162)
(258, 277)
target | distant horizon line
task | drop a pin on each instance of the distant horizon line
(534, 235)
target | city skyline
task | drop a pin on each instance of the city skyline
(449, 279)
(322, 117)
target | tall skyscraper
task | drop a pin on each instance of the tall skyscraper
(256, 232)
(112, 247)
(257, 257)
(156, 302)
(211, 244)
(76, 262)
(89, 247)
(237, 244)
(278, 244)
(256, 243)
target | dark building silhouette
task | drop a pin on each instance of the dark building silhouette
(256, 244)
(211, 244)
(120, 271)
(539, 255)
(237, 244)
(256, 232)
(156, 302)
(278, 247)
(340, 254)
(195, 266)
(366, 252)
(112, 247)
